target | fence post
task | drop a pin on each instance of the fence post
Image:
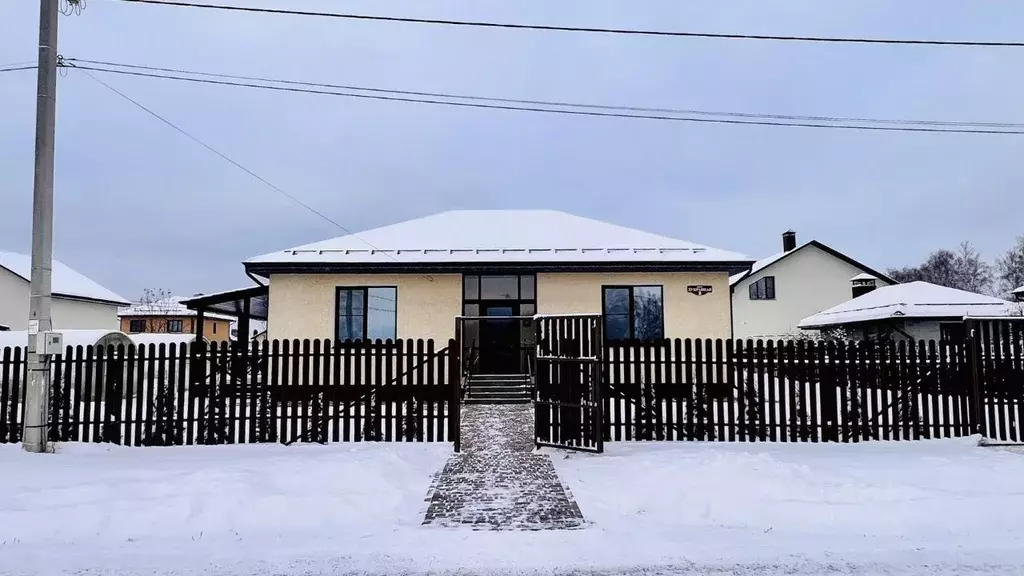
(454, 383)
(973, 352)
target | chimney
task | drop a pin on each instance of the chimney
(788, 240)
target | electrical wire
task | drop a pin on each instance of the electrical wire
(594, 30)
(195, 139)
(32, 67)
(555, 103)
(669, 118)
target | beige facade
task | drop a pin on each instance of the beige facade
(687, 315)
(303, 305)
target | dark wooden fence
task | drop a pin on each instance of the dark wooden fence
(793, 391)
(279, 391)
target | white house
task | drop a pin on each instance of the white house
(770, 299)
(78, 302)
(1018, 294)
(915, 310)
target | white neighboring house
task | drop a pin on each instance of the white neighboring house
(770, 299)
(1018, 294)
(78, 303)
(915, 310)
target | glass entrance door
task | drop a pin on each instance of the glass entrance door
(499, 341)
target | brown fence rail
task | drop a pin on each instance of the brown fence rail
(797, 391)
(279, 391)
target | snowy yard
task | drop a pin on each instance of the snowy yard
(935, 507)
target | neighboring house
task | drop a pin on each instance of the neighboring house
(1018, 294)
(78, 303)
(915, 310)
(170, 316)
(770, 299)
(412, 279)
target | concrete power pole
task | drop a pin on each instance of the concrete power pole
(37, 395)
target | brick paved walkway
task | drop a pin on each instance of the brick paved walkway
(497, 482)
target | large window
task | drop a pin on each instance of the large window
(137, 325)
(367, 313)
(763, 289)
(175, 326)
(634, 312)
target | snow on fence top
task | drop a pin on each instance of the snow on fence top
(501, 236)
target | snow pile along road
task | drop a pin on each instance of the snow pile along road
(932, 507)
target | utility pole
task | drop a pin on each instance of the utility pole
(37, 396)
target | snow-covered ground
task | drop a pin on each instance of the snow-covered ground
(934, 507)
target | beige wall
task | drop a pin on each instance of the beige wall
(806, 283)
(302, 305)
(686, 315)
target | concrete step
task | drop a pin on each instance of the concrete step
(496, 401)
(498, 388)
(499, 377)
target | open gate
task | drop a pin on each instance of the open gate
(567, 382)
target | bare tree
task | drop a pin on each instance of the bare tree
(963, 269)
(156, 302)
(1010, 268)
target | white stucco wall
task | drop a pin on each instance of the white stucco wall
(66, 314)
(806, 282)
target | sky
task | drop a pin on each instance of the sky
(138, 205)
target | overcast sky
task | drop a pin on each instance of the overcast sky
(138, 205)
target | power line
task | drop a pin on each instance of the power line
(225, 157)
(2, 69)
(562, 104)
(661, 117)
(550, 28)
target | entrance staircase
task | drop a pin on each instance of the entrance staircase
(499, 389)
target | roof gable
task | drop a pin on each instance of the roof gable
(775, 258)
(500, 236)
(910, 300)
(63, 280)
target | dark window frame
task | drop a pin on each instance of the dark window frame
(366, 309)
(762, 289)
(177, 322)
(632, 310)
(133, 323)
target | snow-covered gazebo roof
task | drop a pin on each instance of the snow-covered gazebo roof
(500, 237)
(64, 281)
(910, 300)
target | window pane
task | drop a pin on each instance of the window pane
(471, 310)
(753, 291)
(499, 287)
(471, 287)
(616, 301)
(527, 286)
(351, 308)
(769, 287)
(648, 318)
(616, 327)
(381, 317)
(527, 309)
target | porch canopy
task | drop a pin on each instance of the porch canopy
(244, 303)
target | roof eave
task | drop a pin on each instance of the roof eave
(267, 268)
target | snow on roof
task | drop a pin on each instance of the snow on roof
(171, 306)
(762, 264)
(863, 276)
(64, 280)
(1017, 290)
(910, 300)
(475, 236)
